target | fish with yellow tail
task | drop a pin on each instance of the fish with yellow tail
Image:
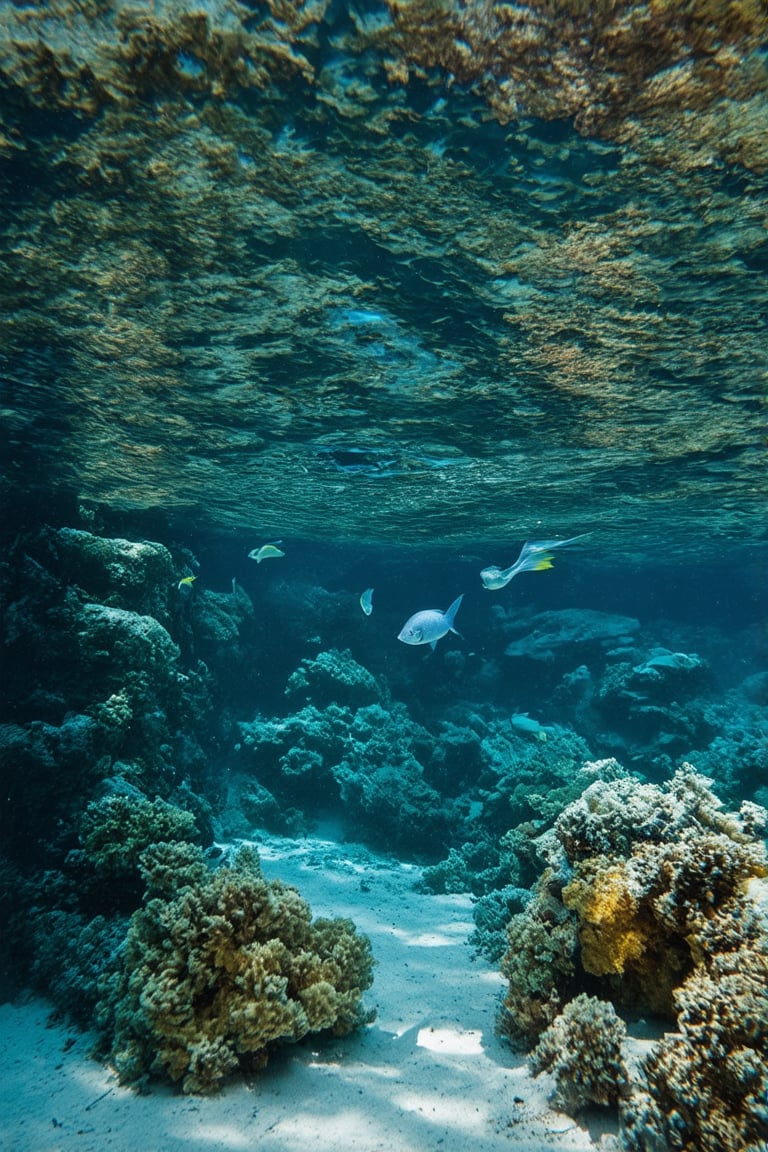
(525, 723)
(535, 556)
(430, 625)
(186, 582)
(266, 552)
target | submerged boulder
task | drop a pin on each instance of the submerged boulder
(571, 633)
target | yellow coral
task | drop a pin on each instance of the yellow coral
(611, 931)
(620, 935)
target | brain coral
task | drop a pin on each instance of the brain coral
(211, 979)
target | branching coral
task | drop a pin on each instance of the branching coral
(582, 1049)
(211, 978)
(707, 1084)
(115, 830)
(659, 890)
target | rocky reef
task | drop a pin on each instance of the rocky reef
(110, 886)
(141, 712)
(652, 895)
(185, 238)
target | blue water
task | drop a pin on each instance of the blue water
(402, 287)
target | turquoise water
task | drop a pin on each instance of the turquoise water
(401, 287)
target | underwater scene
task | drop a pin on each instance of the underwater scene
(383, 576)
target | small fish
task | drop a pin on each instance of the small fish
(366, 601)
(431, 625)
(535, 556)
(266, 552)
(525, 723)
(186, 582)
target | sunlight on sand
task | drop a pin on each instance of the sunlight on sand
(338, 1129)
(447, 936)
(451, 1041)
(451, 1111)
(222, 1135)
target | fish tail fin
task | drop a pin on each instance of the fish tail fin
(535, 562)
(450, 613)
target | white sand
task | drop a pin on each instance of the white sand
(428, 1076)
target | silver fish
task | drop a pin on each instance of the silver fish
(535, 556)
(430, 625)
(366, 601)
(525, 723)
(266, 552)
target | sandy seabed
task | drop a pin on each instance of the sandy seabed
(429, 1075)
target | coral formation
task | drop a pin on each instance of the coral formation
(372, 760)
(110, 694)
(540, 962)
(651, 889)
(492, 913)
(213, 976)
(706, 1086)
(115, 830)
(582, 1049)
(336, 677)
(137, 575)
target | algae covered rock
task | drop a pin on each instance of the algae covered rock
(212, 978)
(336, 677)
(114, 641)
(137, 575)
(569, 633)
